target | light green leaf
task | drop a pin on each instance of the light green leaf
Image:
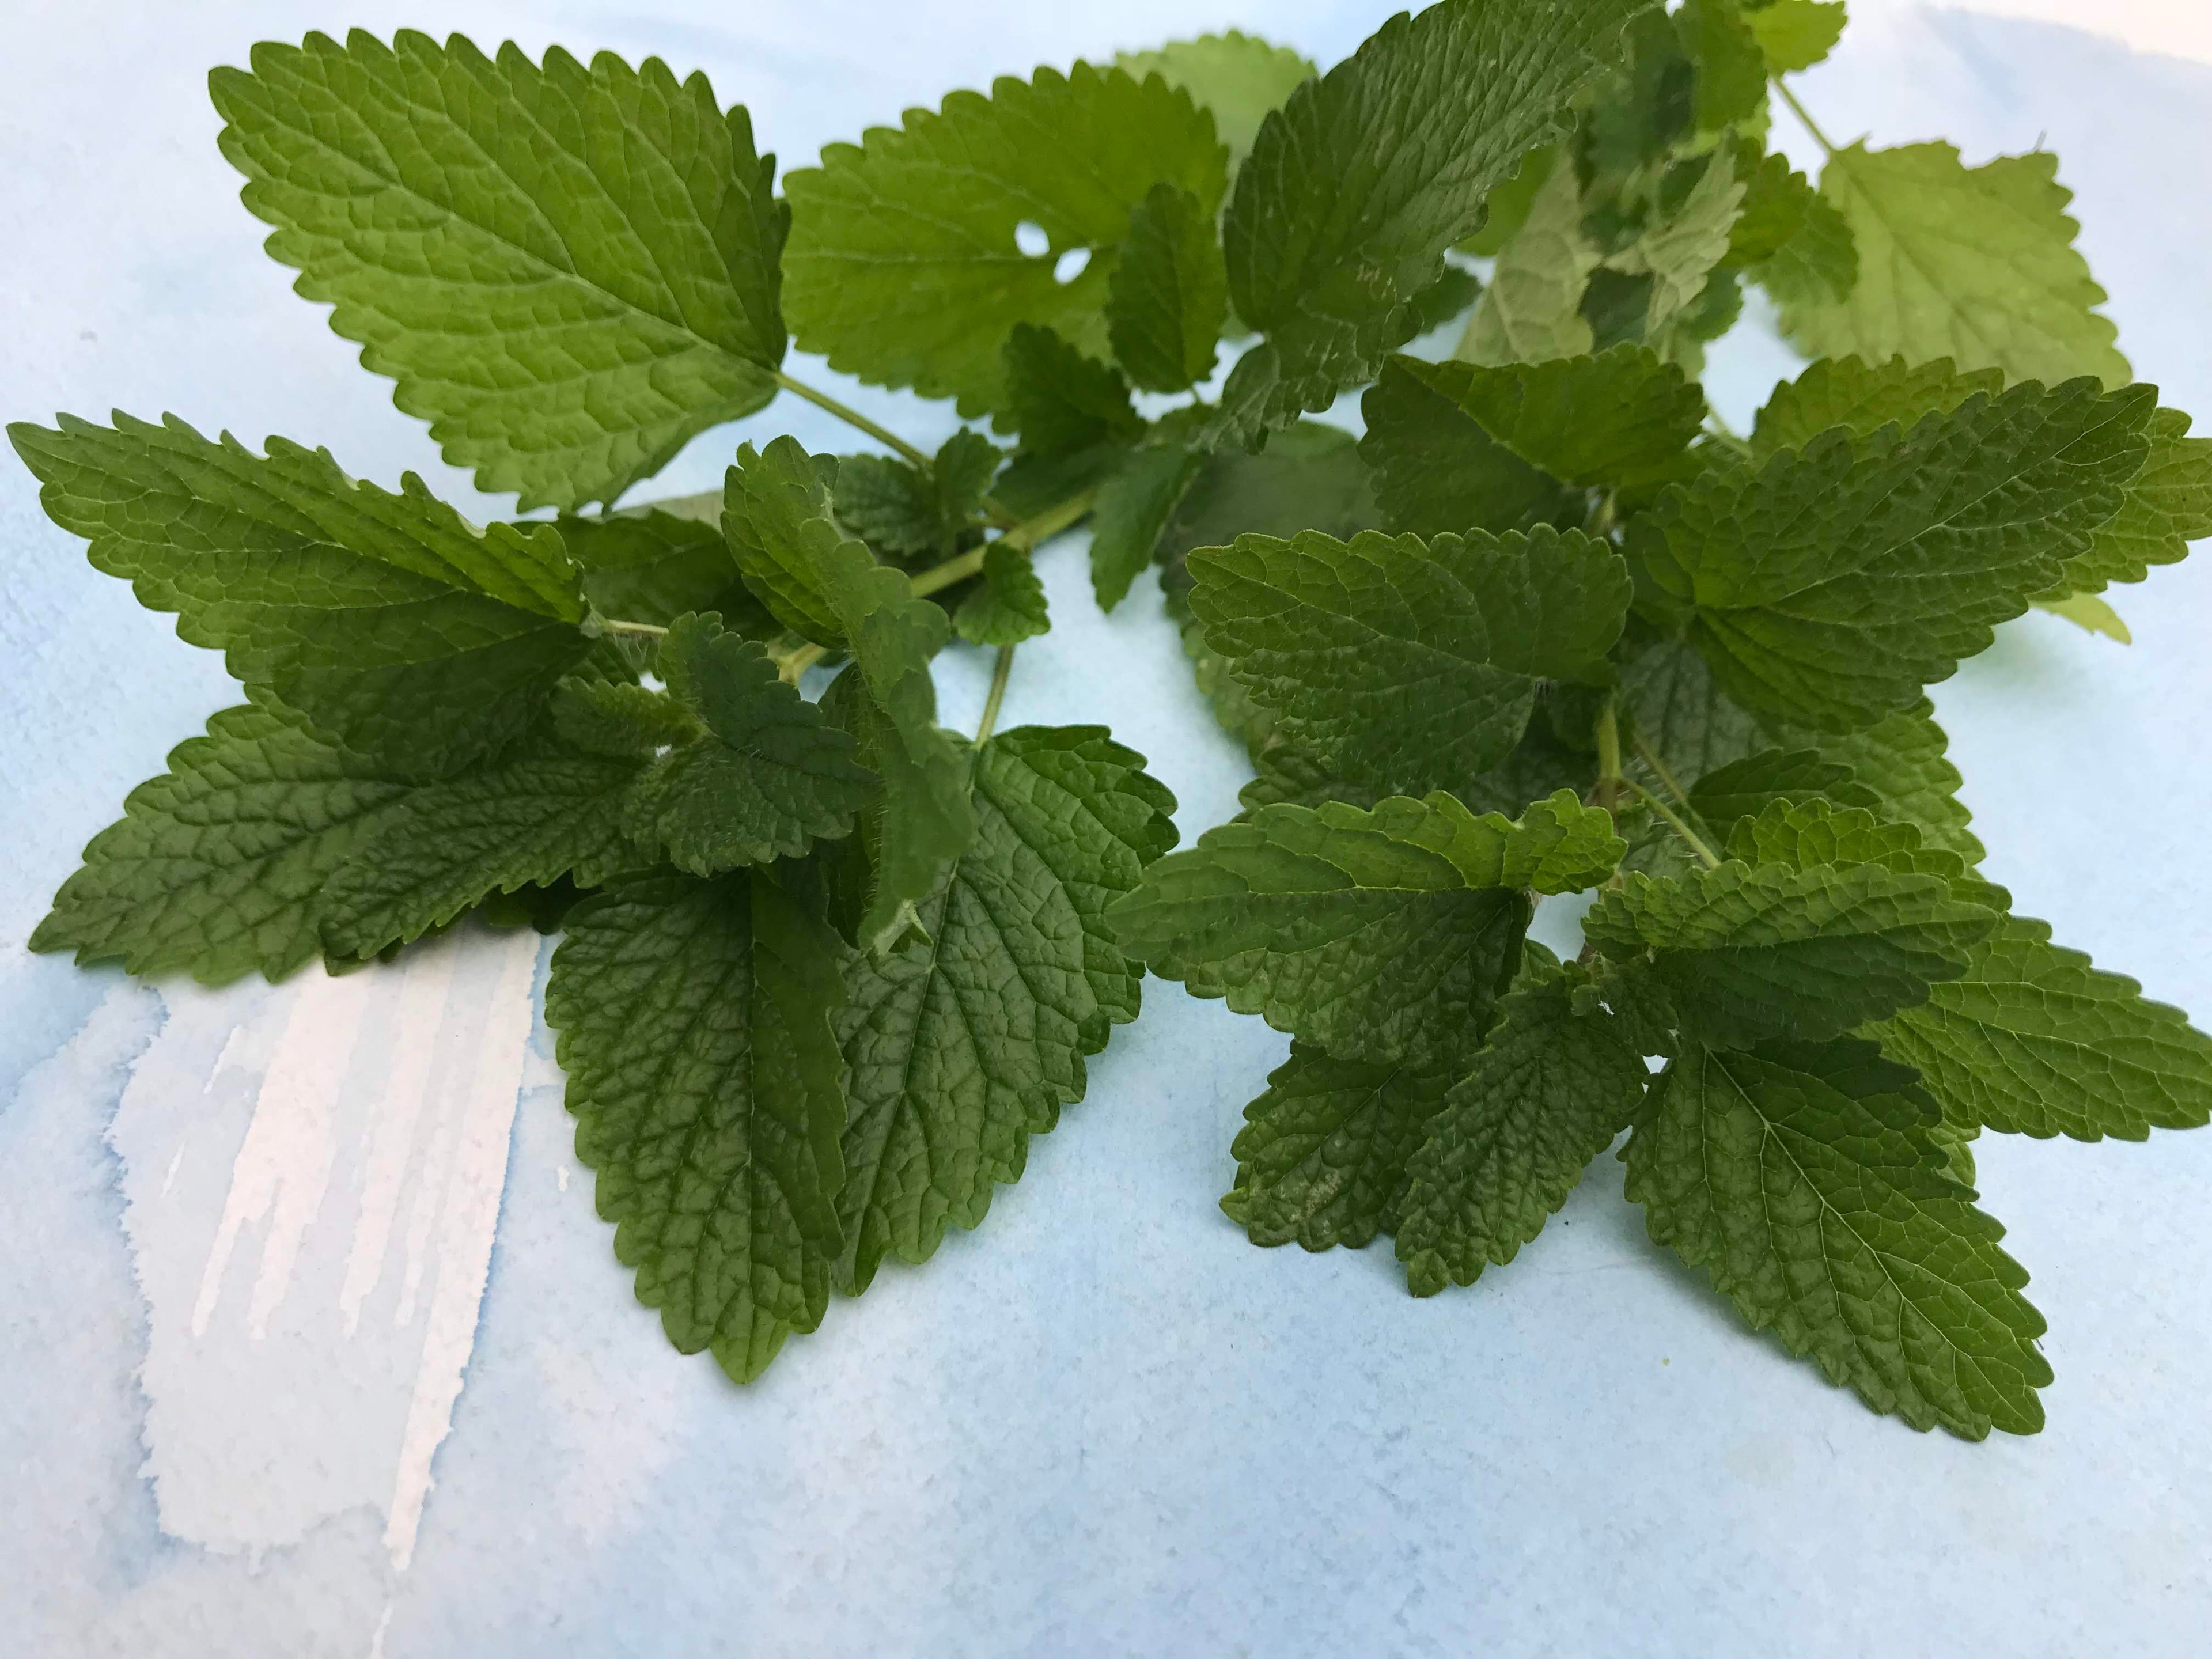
(776, 515)
(1169, 294)
(390, 623)
(1863, 398)
(1133, 508)
(215, 867)
(1679, 251)
(1321, 1160)
(2090, 614)
(1902, 758)
(1790, 236)
(2034, 1040)
(903, 268)
(1795, 34)
(1456, 446)
(1384, 935)
(652, 567)
(1356, 187)
(1807, 1184)
(1731, 62)
(1237, 77)
(569, 272)
(1976, 264)
(1413, 665)
(964, 1044)
(766, 776)
(696, 1027)
(1809, 832)
(1828, 585)
(1532, 310)
(925, 821)
(1750, 954)
(1547, 1094)
(2168, 505)
(1008, 605)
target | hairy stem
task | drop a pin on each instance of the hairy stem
(1804, 116)
(1024, 534)
(853, 418)
(790, 665)
(1001, 671)
(1609, 779)
(1690, 838)
(616, 625)
(1644, 753)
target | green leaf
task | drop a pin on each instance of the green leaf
(2091, 615)
(1808, 1186)
(1457, 446)
(569, 272)
(1507, 209)
(1828, 585)
(1008, 605)
(1812, 831)
(1532, 310)
(888, 503)
(1384, 935)
(1795, 34)
(925, 819)
(2033, 1040)
(2168, 505)
(1789, 235)
(903, 267)
(1902, 758)
(390, 623)
(1863, 398)
(1675, 706)
(765, 777)
(652, 567)
(1681, 250)
(1547, 1093)
(1413, 665)
(1169, 293)
(1753, 954)
(1745, 788)
(1309, 477)
(554, 809)
(965, 1043)
(1731, 79)
(215, 867)
(1239, 79)
(1356, 187)
(1061, 402)
(1976, 264)
(1133, 508)
(1322, 1158)
(776, 515)
(696, 1023)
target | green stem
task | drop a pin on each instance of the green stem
(616, 625)
(792, 664)
(1705, 853)
(1025, 535)
(1803, 115)
(1609, 779)
(853, 418)
(1001, 671)
(1659, 770)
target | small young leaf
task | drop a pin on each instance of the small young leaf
(1061, 402)
(1745, 788)
(1531, 311)
(1976, 264)
(1384, 935)
(1795, 34)
(1239, 79)
(1356, 187)
(696, 1027)
(888, 503)
(389, 623)
(1169, 294)
(1901, 757)
(569, 272)
(1680, 252)
(1731, 63)
(903, 268)
(652, 567)
(2168, 505)
(1547, 1094)
(215, 868)
(1008, 605)
(776, 515)
(1863, 398)
(965, 1043)
(1413, 665)
(1786, 220)
(766, 776)
(1321, 1160)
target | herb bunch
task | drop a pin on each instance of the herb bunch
(1546, 627)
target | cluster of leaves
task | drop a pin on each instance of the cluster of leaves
(1545, 628)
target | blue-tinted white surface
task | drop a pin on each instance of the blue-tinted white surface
(1102, 1424)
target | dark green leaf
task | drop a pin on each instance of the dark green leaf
(1008, 605)
(776, 515)
(1169, 293)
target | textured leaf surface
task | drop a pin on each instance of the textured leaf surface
(2168, 505)
(394, 627)
(1356, 187)
(1531, 311)
(216, 866)
(903, 268)
(1807, 1186)
(1413, 665)
(1795, 34)
(776, 509)
(1547, 1094)
(652, 567)
(695, 1022)
(766, 776)
(1750, 954)
(2034, 1040)
(964, 1045)
(1169, 294)
(1679, 251)
(1828, 586)
(1384, 935)
(1237, 77)
(1677, 710)
(568, 271)
(1976, 264)
(1008, 605)
(1322, 1158)
(1862, 397)
(1902, 757)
